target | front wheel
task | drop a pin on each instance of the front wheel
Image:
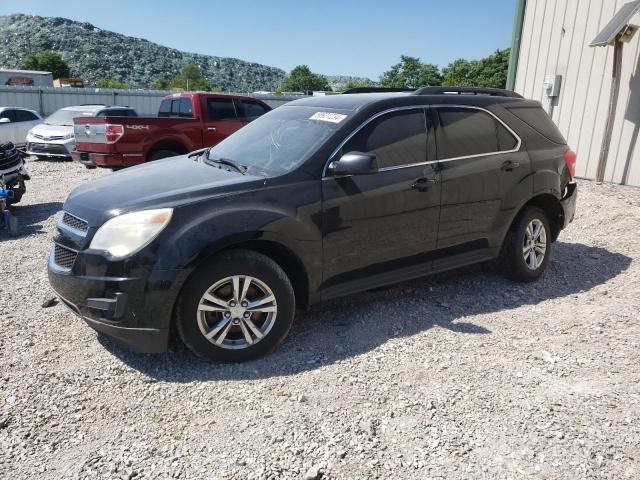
(236, 307)
(527, 248)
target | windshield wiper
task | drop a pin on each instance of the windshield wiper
(230, 163)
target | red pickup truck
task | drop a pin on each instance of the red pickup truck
(185, 122)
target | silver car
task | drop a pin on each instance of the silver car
(54, 137)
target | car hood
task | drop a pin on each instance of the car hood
(168, 182)
(51, 130)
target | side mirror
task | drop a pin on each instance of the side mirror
(354, 163)
(5, 120)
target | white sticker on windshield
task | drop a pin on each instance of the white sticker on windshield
(328, 117)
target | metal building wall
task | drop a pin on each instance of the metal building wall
(47, 100)
(555, 40)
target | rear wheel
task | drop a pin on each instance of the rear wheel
(157, 155)
(526, 250)
(236, 307)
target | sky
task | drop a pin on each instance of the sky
(345, 37)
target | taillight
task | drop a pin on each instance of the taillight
(113, 133)
(570, 162)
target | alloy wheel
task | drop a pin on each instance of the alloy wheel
(237, 312)
(534, 246)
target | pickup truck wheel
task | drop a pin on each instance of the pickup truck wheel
(157, 155)
(527, 248)
(238, 306)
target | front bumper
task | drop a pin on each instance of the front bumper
(50, 149)
(132, 306)
(568, 203)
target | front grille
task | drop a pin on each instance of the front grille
(48, 139)
(74, 222)
(47, 148)
(63, 257)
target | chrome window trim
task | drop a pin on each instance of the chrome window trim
(429, 162)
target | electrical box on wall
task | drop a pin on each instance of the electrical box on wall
(552, 85)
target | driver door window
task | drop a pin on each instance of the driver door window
(396, 139)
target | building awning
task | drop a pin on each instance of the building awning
(618, 24)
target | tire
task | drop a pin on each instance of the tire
(229, 334)
(157, 155)
(512, 260)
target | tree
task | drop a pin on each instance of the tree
(47, 61)
(490, 71)
(411, 73)
(302, 79)
(161, 83)
(353, 84)
(112, 84)
(190, 78)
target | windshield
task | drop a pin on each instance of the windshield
(65, 117)
(280, 140)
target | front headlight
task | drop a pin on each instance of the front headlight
(68, 136)
(128, 233)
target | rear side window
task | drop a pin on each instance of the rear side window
(538, 119)
(249, 110)
(465, 132)
(396, 139)
(25, 116)
(165, 108)
(221, 108)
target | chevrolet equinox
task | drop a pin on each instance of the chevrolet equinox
(320, 198)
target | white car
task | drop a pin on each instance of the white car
(15, 123)
(54, 137)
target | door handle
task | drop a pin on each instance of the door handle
(422, 184)
(509, 165)
(211, 129)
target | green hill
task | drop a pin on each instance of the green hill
(94, 54)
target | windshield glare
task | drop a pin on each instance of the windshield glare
(65, 117)
(280, 140)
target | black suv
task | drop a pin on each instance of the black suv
(319, 198)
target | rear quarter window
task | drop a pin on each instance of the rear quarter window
(25, 116)
(538, 119)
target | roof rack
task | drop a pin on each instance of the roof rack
(494, 92)
(376, 90)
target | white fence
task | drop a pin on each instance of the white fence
(47, 100)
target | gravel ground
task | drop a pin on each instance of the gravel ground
(463, 375)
